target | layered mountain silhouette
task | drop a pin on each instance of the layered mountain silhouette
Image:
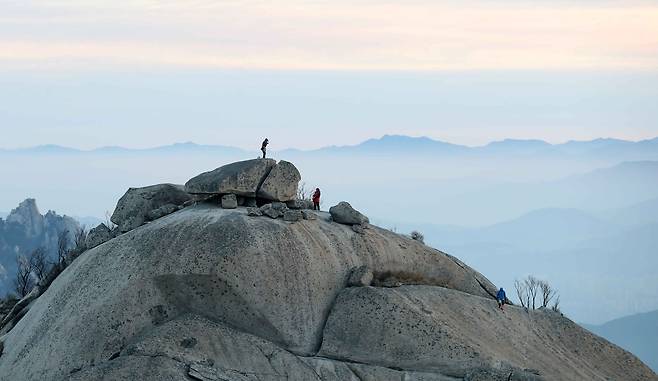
(601, 147)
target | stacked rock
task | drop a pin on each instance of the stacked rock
(248, 183)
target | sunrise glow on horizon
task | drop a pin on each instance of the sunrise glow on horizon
(337, 35)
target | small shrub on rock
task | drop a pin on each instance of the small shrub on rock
(417, 236)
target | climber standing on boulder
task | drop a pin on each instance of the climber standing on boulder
(316, 199)
(263, 147)
(500, 296)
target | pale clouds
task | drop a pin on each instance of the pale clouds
(339, 35)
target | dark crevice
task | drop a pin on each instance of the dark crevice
(347, 362)
(115, 355)
(262, 180)
(320, 339)
(354, 372)
(484, 288)
(463, 266)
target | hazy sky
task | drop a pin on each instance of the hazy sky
(310, 73)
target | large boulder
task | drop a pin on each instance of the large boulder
(98, 235)
(242, 178)
(212, 294)
(343, 213)
(281, 183)
(134, 207)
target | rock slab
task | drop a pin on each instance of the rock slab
(242, 178)
(134, 207)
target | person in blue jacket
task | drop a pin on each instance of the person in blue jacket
(500, 296)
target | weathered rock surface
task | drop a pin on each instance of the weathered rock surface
(292, 215)
(281, 183)
(242, 178)
(254, 212)
(458, 334)
(162, 211)
(308, 215)
(266, 277)
(343, 213)
(360, 276)
(98, 235)
(134, 207)
(215, 294)
(229, 201)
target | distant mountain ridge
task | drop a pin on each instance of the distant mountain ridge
(25, 229)
(636, 333)
(392, 143)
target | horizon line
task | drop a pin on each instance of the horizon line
(91, 150)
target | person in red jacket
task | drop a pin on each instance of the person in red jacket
(316, 199)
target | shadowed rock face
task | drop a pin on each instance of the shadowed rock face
(214, 293)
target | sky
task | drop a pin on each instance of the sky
(313, 73)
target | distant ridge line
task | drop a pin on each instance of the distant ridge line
(396, 142)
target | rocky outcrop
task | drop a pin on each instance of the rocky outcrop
(343, 213)
(242, 178)
(140, 205)
(281, 183)
(258, 178)
(435, 328)
(98, 235)
(208, 293)
(19, 310)
(271, 279)
(24, 230)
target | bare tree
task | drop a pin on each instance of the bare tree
(304, 194)
(79, 243)
(521, 292)
(547, 293)
(108, 220)
(556, 304)
(528, 289)
(532, 285)
(38, 263)
(62, 247)
(23, 282)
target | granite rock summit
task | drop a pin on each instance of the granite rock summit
(207, 293)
